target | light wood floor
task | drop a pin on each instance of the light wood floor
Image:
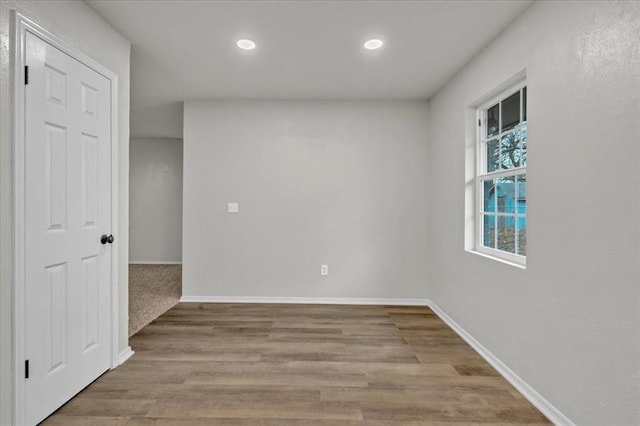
(229, 364)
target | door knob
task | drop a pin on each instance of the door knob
(104, 239)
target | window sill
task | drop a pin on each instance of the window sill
(498, 259)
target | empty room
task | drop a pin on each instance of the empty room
(319, 212)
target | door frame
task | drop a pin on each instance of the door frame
(21, 26)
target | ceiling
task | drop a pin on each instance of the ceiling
(186, 50)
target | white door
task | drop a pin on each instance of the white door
(68, 208)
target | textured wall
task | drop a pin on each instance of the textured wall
(155, 183)
(82, 28)
(341, 183)
(569, 324)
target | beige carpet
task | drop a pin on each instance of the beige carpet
(153, 289)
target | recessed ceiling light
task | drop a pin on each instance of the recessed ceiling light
(246, 44)
(373, 44)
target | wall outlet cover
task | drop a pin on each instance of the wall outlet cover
(232, 207)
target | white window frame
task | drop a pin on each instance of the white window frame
(481, 175)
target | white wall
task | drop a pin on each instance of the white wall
(569, 324)
(341, 183)
(155, 203)
(82, 28)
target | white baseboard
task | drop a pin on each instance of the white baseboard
(305, 300)
(125, 355)
(551, 412)
(145, 262)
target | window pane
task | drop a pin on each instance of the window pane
(492, 121)
(511, 148)
(524, 104)
(522, 236)
(506, 194)
(488, 231)
(506, 233)
(521, 194)
(523, 146)
(488, 196)
(511, 111)
(493, 155)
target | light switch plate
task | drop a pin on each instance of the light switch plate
(324, 270)
(232, 207)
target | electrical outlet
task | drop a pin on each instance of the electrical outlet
(232, 207)
(324, 270)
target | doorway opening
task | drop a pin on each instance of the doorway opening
(155, 222)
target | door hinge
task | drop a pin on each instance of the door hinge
(479, 123)
(26, 74)
(26, 368)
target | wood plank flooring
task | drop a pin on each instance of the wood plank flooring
(246, 364)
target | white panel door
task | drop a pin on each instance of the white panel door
(68, 208)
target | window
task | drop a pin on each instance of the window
(501, 177)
